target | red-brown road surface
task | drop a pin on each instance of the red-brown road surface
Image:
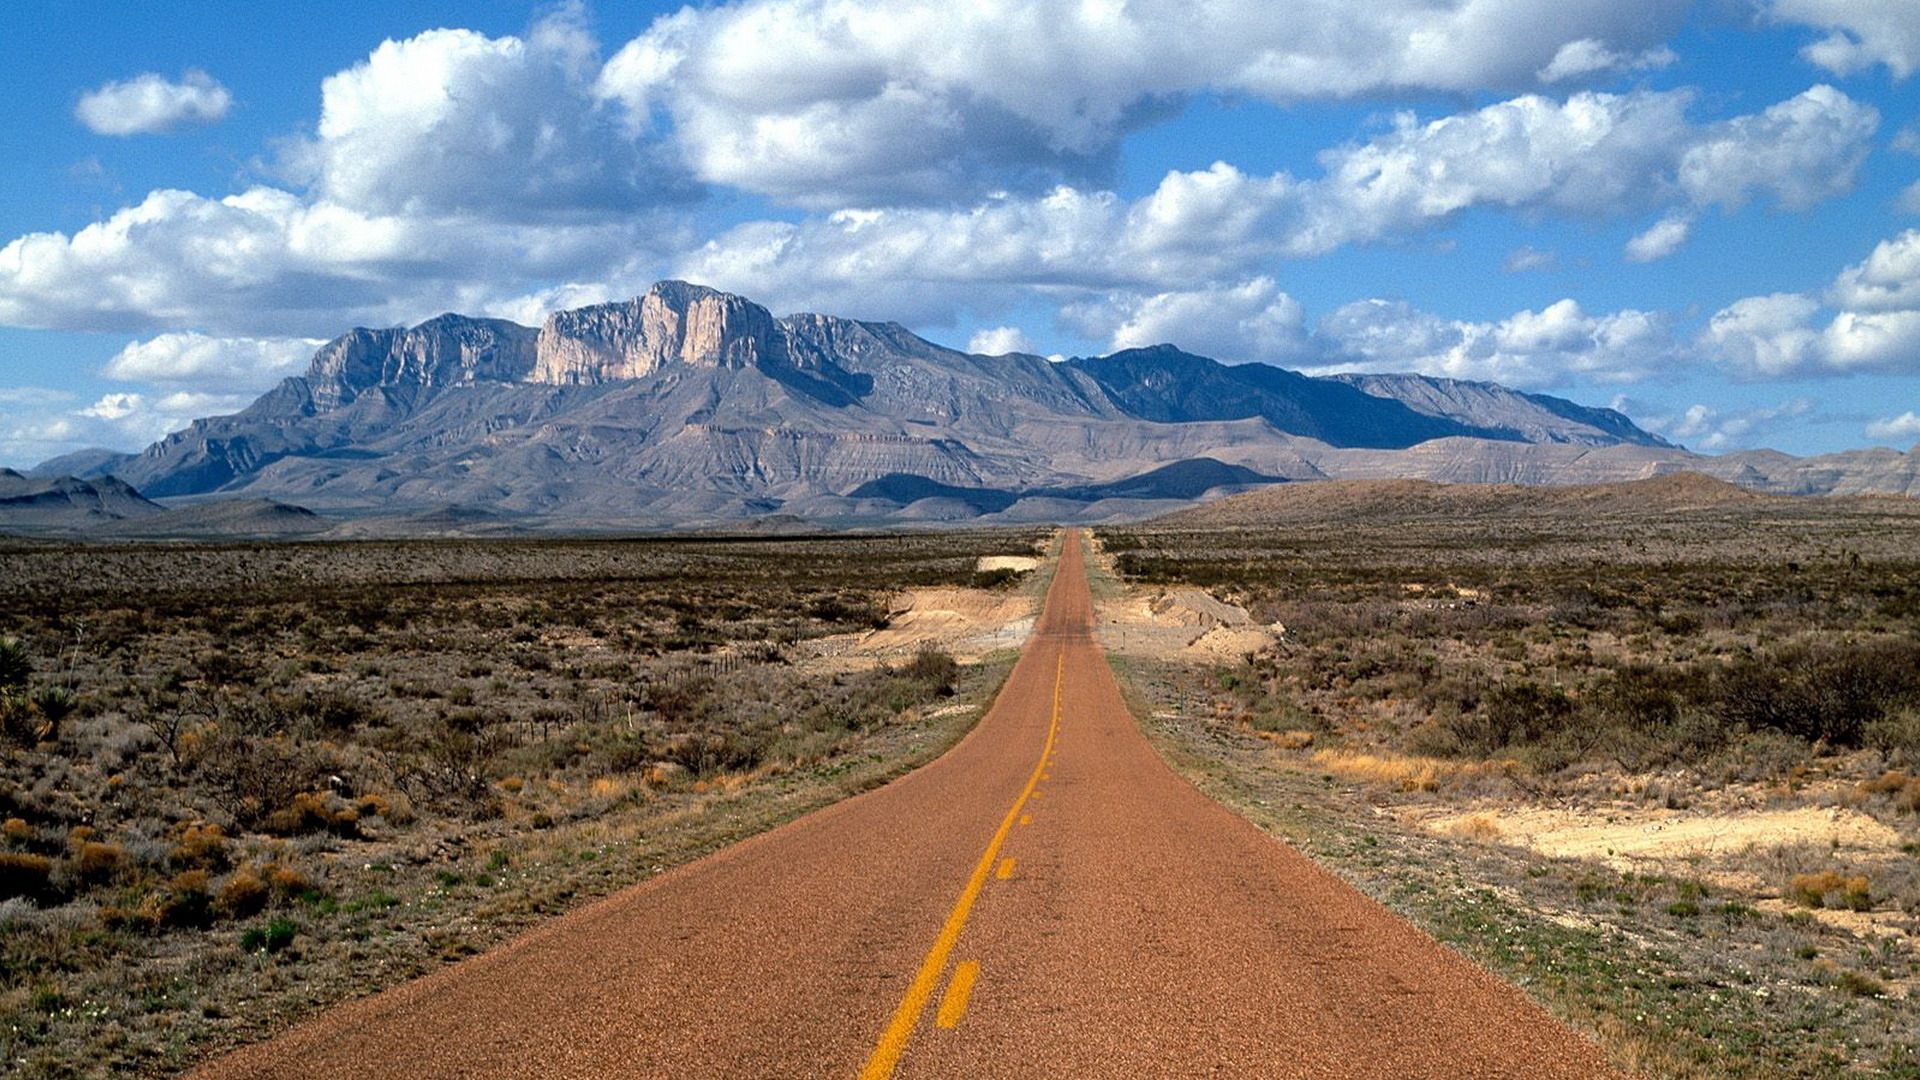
(1047, 899)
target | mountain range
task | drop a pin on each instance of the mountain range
(690, 405)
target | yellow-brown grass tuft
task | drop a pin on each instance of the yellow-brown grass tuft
(1476, 827)
(1403, 772)
(1829, 889)
(24, 875)
(244, 894)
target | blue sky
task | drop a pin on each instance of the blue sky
(1704, 213)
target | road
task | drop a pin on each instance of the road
(1047, 899)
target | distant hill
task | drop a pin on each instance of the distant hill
(250, 518)
(1412, 500)
(67, 503)
(688, 406)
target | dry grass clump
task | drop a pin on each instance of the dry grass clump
(1901, 791)
(1402, 772)
(1830, 889)
(1483, 827)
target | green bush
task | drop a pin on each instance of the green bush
(1512, 714)
(271, 938)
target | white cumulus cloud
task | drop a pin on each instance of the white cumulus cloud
(828, 102)
(268, 262)
(1860, 33)
(1874, 325)
(1251, 320)
(1888, 280)
(1800, 151)
(1660, 240)
(1587, 56)
(116, 421)
(152, 104)
(1528, 259)
(1703, 427)
(508, 127)
(1766, 335)
(1594, 154)
(999, 341)
(197, 359)
(1550, 347)
(1902, 428)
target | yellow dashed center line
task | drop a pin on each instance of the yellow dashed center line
(1005, 871)
(953, 1004)
(1026, 819)
(893, 1041)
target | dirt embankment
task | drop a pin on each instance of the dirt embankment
(968, 624)
(1175, 623)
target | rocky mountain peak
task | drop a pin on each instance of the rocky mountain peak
(674, 323)
(445, 351)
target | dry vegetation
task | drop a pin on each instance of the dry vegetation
(239, 782)
(1659, 765)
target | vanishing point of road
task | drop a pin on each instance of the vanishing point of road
(1047, 899)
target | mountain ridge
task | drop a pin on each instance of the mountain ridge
(687, 404)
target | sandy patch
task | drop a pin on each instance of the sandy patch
(1022, 563)
(966, 623)
(1627, 840)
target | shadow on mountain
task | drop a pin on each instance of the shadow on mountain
(1183, 480)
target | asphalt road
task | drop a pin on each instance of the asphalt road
(1047, 899)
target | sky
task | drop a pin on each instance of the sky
(1704, 213)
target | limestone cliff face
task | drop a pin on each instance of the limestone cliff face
(674, 323)
(448, 351)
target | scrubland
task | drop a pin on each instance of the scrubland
(241, 782)
(1661, 767)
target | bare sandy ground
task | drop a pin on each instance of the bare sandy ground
(968, 624)
(1721, 848)
(1022, 563)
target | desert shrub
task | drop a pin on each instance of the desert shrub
(243, 894)
(95, 863)
(1887, 783)
(187, 901)
(198, 845)
(15, 665)
(454, 770)
(26, 876)
(1859, 984)
(997, 578)
(274, 937)
(313, 812)
(27, 717)
(1821, 692)
(848, 608)
(222, 668)
(1830, 889)
(706, 752)
(338, 713)
(1515, 713)
(1647, 698)
(252, 777)
(1896, 735)
(288, 882)
(933, 666)
(684, 699)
